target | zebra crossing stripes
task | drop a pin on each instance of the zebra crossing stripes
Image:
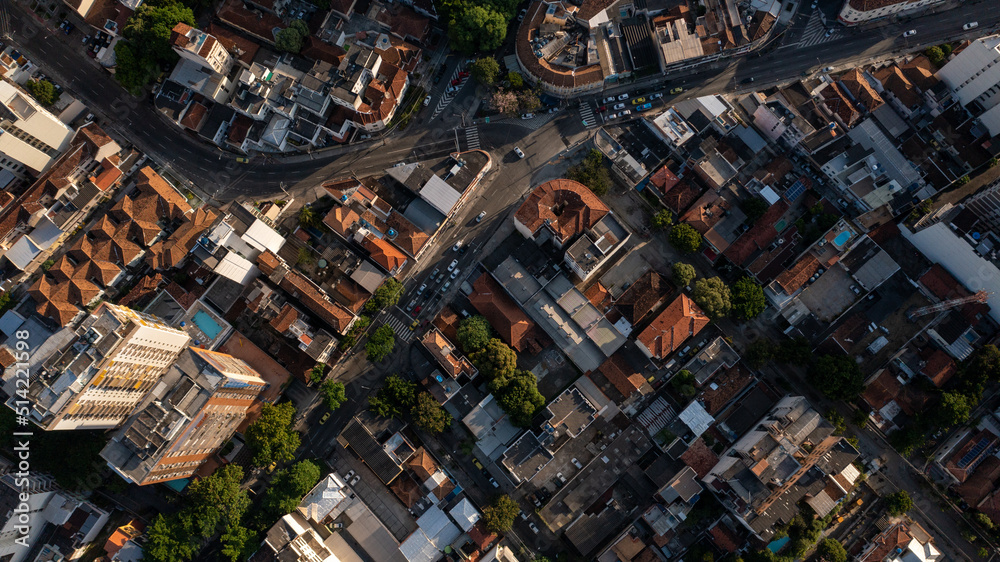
(587, 113)
(446, 98)
(815, 32)
(472, 137)
(400, 327)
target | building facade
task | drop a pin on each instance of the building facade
(856, 12)
(32, 137)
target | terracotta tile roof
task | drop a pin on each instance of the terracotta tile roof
(284, 320)
(156, 201)
(422, 464)
(353, 296)
(446, 354)
(882, 390)
(407, 490)
(760, 235)
(940, 367)
(706, 212)
(59, 293)
(560, 77)
(664, 180)
(680, 197)
(897, 536)
(991, 506)
(178, 35)
(869, 5)
(268, 262)
(447, 322)
(400, 53)
(238, 46)
(314, 299)
(237, 15)
(405, 22)
(340, 219)
(795, 277)
(725, 538)
(239, 129)
(142, 292)
(920, 73)
(642, 296)
(109, 175)
(183, 297)
(839, 105)
(700, 458)
(501, 311)
(409, 238)
(316, 49)
(681, 320)
(95, 135)
(893, 79)
(984, 441)
(384, 254)
(855, 82)
(618, 371)
(122, 535)
(195, 116)
(169, 253)
(480, 536)
(6, 358)
(598, 295)
(981, 483)
(567, 207)
(724, 387)
(939, 282)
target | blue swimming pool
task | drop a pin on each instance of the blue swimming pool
(842, 238)
(206, 324)
(775, 546)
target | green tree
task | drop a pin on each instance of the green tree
(954, 409)
(428, 415)
(592, 173)
(981, 368)
(219, 498)
(516, 80)
(271, 437)
(316, 373)
(685, 238)
(683, 383)
(307, 217)
(333, 394)
(499, 516)
(935, 54)
(747, 299)
(43, 91)
(289, 486)
(661, 220)
(395, 397)
(908, 439)
(495, 359)
(796, 351)
(712, 296)
(683, 274)
(132, 71)
(292, 37)
(983, 520)
(517, 393)
(380, 344)
(754, 208)
(838, 421)
(527, 101)
(147, 46)
(485, 70)
(898, 503)
(387, 295)
(238, 543)
(170, 539)
(758, 353)
(837, 376)
(476, 28)
(473, 333)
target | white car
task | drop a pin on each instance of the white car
(576, 463)
(427, 100)
(350, 474)
(623, 97)
(494, 483)
(422, 289)
(626, 112)
(618, 106)
(457, 246)
(970, 25)
(612, 116)
(480, 216)
(609, 99)
(355, 481)
(451, 266)
(910, 33)
(533, 527)
(528, 116)
(518, 152)
(827, 69)
(444, 288)
(455, 273)
(655, 96)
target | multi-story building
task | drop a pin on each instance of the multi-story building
(856, 12)
(32, 137)
(98, 379)
(202, 400)
(973, 77)
(986, 205)
(205, 63)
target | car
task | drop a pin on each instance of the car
(350, 474)
(435, 272)
(970, 25)
(455, 273)
(520, 16)
(493, 482)
(461, 251)
(272, 466)
(676, 90)
(623, 97)
(602, 108)
(553, 109)
(640, 91)
(655, 96)
(87, 39)
(828, 33)
(637, 101)
(533, 527)
(609, 99)
(456, 82)
(518, 152)
(242, 159)
(747, 80)
(645, 107)
(451, 266)
(463, 74)
(355, 480)
(618, 106)
(524, 516)
(69, 28)
(814, 4)
(422, 288)
(97, 47)
(624, 113)
(528, 116)
(456, 246)
(325, 417)
(91, 53)
(417, 311)
(410, 306)
(427, 100)
(445, 287)
(476, 462)
(910, 33)
(414, 325)
(827, 69)
(441, 277)
(437, 78)
(576, 463)
(612, 116)
(536, 501)
(481, 216)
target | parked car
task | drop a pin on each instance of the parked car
(645, 107)
(576, 463)
(421, 290)
(612, 116)
(456, 82)
(970, 25)
(451, 266)
(553, 109)
(445, 287)
(493, 482)
(528, 116)
(350, 474)
(602, 108)
(87, 39)
(463, 74)
(623, 97)
(427, 100)
(828, 33)
(455, 273)
(676, 90)
(618, 106)
(242, 159)
(456, 247)
(827, 69)
(355, 480)
(416, 311)
(520, 16)
(533, 527)
(910, 33)
(518, 152)
(481, 216)
(410, 306)
(609, 99)
(637, 101)
(325, 417)
(435, 272)
(747, 80)
(655, 96)
(624, 113)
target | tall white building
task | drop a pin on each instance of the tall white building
(855, 12)
(205, 63)
(31, 138)
(99, 378)
(974, 79)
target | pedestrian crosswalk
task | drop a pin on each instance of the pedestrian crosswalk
(587, 113)
(400, 327)
(816, 31)
(446, 98)
(472, 137)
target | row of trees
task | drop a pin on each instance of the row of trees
(516, 391)
(398, 397)
(743, 300)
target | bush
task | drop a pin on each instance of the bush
(661, 220)
(592, 173)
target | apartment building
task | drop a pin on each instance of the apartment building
(32, 137)
(196, 408)
(97, 379)
(973, 77)
(205, 63)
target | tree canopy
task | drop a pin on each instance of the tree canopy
(747, 299)
(516, 79)
(499, 516)
(754, 208)
(292, 38)
(218, 499)
(495, 359)
(683, 274)
(662, 220)
(485, 70)
(395, 397)
(171, 538)
(713, 296)
(43, 91)
(685, 238)
(317, 372)
(428, 415)
(473, 333)
(837, 376)
(238, 543)
(518, 395)
(388, 294)
(147, 42)
(898, 503)
(981, 368)
(830, 550)
(380, 343)
(955, 409)
(288, 488)
(476, 28)
(271, 437)
(333, 394)
(592, 173)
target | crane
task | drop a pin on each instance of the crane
(979, 296)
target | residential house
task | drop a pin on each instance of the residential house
(644, 295)
(902, 541)
(310, 295)
(559, 210)
(680, 320)
(205, 64)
